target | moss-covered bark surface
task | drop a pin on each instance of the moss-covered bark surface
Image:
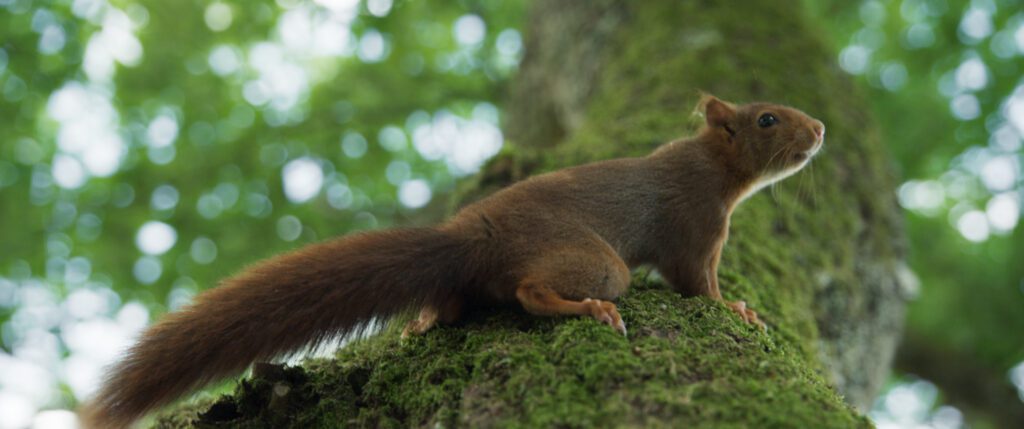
(817, 257)
(685, 360)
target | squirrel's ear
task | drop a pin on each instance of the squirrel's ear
(718, 113)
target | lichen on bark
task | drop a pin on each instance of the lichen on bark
(817, 255)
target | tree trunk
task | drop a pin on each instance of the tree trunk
(819, 257)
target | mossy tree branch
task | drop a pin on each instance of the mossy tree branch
(818, 256)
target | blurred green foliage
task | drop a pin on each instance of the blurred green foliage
(946, 83)
(225, 166)
(945, 78)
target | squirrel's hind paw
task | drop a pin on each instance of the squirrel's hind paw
(606, 312)
(419, 326)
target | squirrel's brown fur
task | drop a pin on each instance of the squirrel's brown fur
(559, 243)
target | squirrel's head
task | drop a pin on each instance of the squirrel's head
(768, 140)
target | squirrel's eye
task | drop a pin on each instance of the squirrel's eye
(766, 120)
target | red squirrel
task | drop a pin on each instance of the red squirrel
(560, 243)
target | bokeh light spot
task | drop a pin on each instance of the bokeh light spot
(972, 75)
(289, 228)
(372, 47)
(469, 29)
(224, 60)
(378, 8)
(203, 250)
(209, 206)
(147, 269)
(414, 193)
(1003, 212)
(973, 225)
(52, 40)
(509, 42)
(975, 25)
(165, 197)
(155, 238)
(68, 172)
(162, 130)
(397, 172)
(919, 36)
(1017, 378)
(339, 196)
(392, 138)
(854, 59)
(218, 16)
(55, 419)
(965, 107)
(16, 409)
(353, 145)
(999, 173)
(303, 178)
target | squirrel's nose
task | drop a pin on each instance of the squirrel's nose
(819, 129)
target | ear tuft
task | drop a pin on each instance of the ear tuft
(717, 113)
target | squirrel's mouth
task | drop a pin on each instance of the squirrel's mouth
(809, 153)
(816, 147)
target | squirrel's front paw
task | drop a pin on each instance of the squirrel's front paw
(606, 312)
(748, 315)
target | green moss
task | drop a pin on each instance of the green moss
(685, 360)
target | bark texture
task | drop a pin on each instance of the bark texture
(819, 256)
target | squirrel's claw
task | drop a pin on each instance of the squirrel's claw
(418, 326)
(748, 315)
(606, 312)
(412, 328)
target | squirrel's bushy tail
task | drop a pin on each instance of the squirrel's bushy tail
(280, 306)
